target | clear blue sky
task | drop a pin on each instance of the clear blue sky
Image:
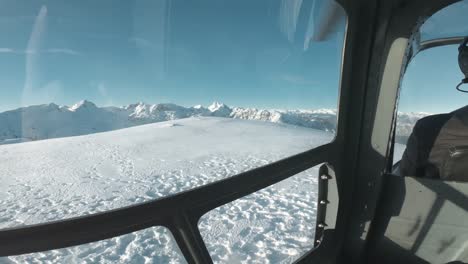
(243, 53)
(430, 80)
(246, 53)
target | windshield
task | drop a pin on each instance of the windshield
(108, 104)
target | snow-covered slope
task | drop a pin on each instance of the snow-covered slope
(65, 177)
(53, 121)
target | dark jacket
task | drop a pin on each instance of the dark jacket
(438, 147)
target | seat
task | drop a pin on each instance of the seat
(426, 219)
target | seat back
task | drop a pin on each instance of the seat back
(425, 218)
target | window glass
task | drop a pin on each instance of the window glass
(274, 225)
(107, 104)
(152, 245)
(448, 22)
(428, 88)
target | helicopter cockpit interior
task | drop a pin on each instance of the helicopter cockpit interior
(323, 101)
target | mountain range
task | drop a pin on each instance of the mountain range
(52, 121)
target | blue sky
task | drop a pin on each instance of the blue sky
(246, 53)
(243, 53)
(430, 80)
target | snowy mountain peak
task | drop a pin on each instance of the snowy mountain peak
(216, 106)
(219, 109)
(83, 104)
(166, 107)
(46, 107)
(325, 111)
(52, 105)
(139, 104)
(134, 106)
(52, 121)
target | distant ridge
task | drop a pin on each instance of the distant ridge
(52, 121)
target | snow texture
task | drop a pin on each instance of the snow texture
(65, 177)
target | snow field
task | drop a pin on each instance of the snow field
(66, 177)
(274, 225)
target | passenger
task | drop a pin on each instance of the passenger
(438, 145)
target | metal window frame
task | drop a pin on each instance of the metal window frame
(440, 42)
